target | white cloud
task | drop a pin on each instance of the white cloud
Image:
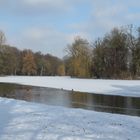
(108, 14)
(44, 2)
(44, 5)
(133, 17)
(46, 40)
(33, 34)
(40, 7)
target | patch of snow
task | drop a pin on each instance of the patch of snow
(110, 87)
(20, 120)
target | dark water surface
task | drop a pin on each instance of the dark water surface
(60, 97)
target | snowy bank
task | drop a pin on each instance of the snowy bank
(110, 87)
(20, 120)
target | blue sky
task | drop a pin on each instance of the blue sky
(48, 26)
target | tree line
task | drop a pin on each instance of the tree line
(16, 62)
(114, 56)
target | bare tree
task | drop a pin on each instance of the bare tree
(79, 53)
(2, 38)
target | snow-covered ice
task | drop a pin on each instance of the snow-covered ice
(111, 87)
(20, 120)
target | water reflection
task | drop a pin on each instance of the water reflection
(50, 96)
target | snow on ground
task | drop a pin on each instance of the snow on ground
(112, 87)
(20, 120)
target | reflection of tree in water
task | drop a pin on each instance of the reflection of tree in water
(28, 91)
(16, 91)
(105, 103)
(82, 100)
(24, 93)
(7, 90)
